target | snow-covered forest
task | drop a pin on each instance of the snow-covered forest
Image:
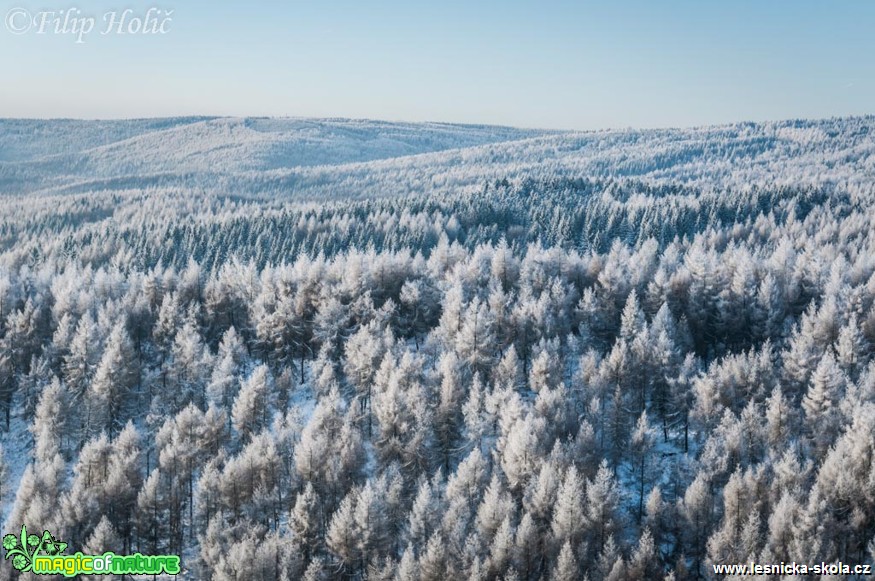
(330, 349)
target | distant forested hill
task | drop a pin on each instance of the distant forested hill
(333, 349)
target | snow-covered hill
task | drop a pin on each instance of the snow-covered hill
(331, 349)
(338, 159)
(39, 154)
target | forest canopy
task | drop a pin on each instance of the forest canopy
(629, 355)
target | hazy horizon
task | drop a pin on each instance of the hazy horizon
(576, 66)
(442, 122)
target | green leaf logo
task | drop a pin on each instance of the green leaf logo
(24, 548)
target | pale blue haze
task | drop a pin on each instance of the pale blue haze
(576, 65)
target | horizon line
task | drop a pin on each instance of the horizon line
(200, 117)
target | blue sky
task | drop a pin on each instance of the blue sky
(558, 64)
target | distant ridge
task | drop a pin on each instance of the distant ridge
(320, 159)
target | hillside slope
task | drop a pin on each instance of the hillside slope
(39, 154)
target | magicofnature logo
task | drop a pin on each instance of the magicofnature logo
(25, 548)
(44, 555)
